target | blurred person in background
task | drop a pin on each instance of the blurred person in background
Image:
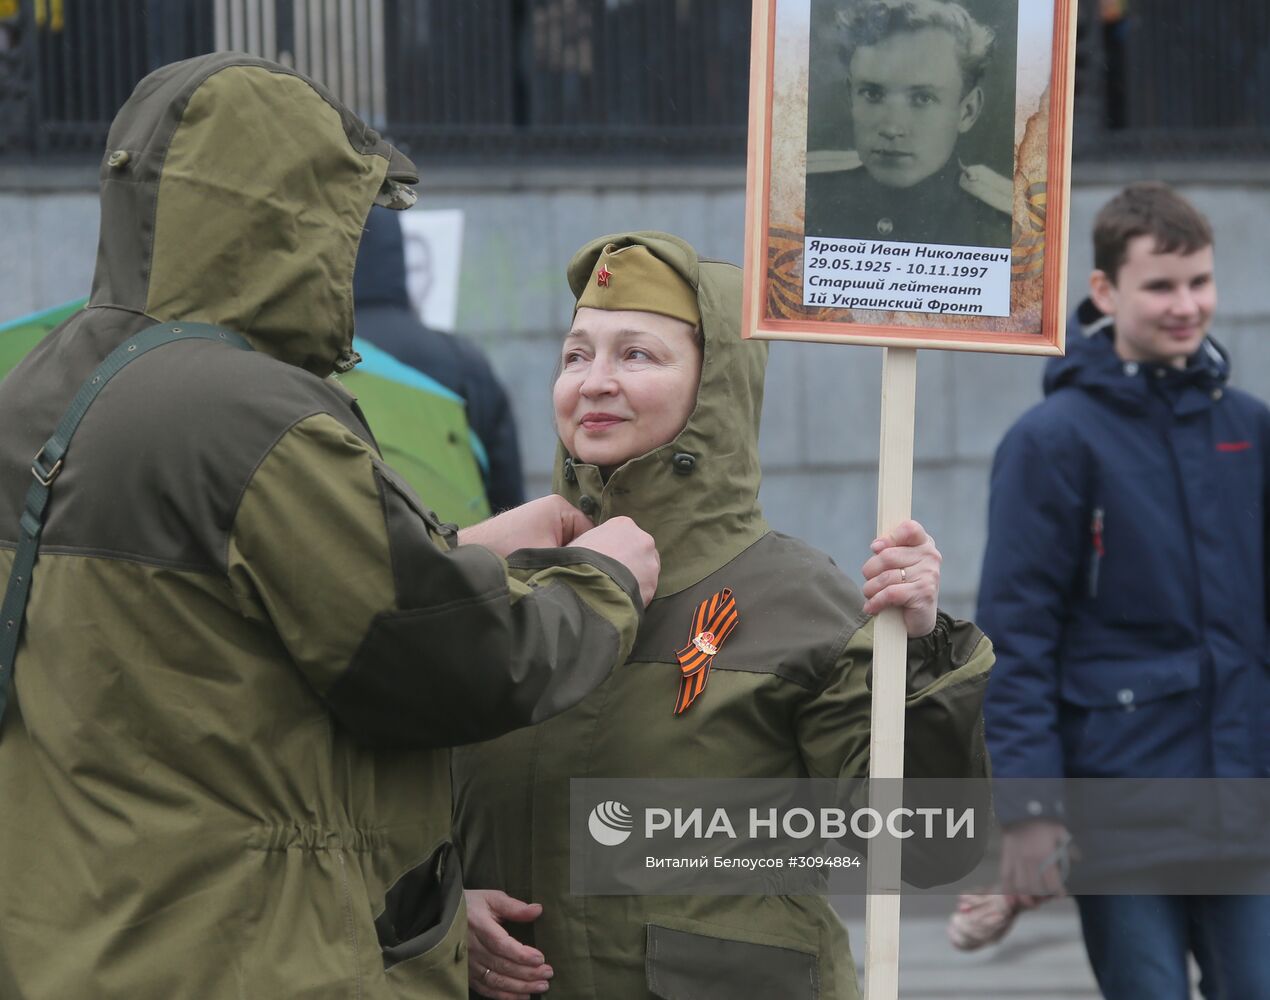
(386, 318)
(1124, 588)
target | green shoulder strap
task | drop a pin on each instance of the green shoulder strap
(48, 463)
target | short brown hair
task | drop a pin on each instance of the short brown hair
(1147, 208)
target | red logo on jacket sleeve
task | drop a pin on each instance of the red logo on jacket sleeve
(1233, 445)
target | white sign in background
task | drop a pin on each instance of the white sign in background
(434, 253)
(906, 277)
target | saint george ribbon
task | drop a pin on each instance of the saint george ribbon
(713, 620)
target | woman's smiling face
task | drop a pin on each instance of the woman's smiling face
(628, 383)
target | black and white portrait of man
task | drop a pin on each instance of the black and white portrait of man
(910, 121)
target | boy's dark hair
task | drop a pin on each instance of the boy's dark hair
(1147, 208)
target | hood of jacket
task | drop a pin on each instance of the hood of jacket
(380, 278)
(1091, 363)
(233, 192)
(697, 494)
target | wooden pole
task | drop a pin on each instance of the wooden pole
(890, 658)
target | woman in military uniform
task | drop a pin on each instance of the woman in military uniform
(657, 407)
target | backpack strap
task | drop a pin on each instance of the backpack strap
(49, 462)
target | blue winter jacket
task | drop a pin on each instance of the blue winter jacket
(1124, 582)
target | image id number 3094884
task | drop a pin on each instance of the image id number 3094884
(825, 861)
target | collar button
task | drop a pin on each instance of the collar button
(587, 504)
(683, 463)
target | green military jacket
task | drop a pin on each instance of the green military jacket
(788, 697)
(223, 770)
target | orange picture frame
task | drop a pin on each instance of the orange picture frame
(1034, 266)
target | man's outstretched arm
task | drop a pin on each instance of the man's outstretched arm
(412, 641)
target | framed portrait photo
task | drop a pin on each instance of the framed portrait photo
(909, 172)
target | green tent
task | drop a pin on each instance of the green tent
(421, 425)
(18, 336)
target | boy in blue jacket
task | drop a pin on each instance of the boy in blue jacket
(1124, 588)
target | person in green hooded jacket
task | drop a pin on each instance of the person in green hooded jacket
(657, 406)
(224, 764)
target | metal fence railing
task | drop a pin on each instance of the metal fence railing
(649, 77)
(484, 78)
(1173, 78)
(562, 79)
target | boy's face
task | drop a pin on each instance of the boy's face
(907, 105)
(1161, 303)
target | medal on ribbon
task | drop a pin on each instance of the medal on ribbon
(712, 622)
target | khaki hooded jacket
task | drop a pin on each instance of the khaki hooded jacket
(788, 697)
(223, 769)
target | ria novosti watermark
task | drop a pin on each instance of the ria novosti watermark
(797, 823)
(636, 836)
(611, 824)
(755, 835)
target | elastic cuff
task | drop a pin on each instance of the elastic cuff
(927, 650)
(576, 555)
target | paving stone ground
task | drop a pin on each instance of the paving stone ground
(1042, 957)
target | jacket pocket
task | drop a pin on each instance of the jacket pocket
(423, 918)
(1141, 718)
(1127, 685)
(687, 965)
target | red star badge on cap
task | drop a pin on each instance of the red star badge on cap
(602, 276)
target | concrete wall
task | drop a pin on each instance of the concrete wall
(820, 430)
